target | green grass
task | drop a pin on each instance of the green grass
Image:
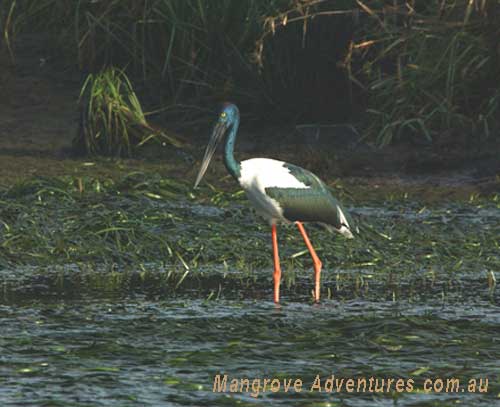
(112, 121)
(426, 72)
(142, 221)
(432, 78)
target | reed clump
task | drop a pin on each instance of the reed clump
(431, 71)
(112, 121)
(399, 70)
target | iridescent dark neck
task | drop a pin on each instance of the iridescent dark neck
(232, 165)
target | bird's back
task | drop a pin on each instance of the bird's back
(282, 190)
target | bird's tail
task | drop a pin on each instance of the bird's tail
(343, 230)
(346, 227)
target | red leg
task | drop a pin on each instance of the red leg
(315, 258)
(277, 269)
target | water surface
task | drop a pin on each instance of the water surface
(141, 352)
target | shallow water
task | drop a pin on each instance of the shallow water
(142, 352)
(142, 302)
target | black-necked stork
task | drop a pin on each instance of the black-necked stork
(280, 192)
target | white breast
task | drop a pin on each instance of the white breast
(256, 175)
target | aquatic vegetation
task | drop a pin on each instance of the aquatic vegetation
(158, 233)
(135, 282)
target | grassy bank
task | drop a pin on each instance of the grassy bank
(397, 70)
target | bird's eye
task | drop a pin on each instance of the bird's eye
(223, 115)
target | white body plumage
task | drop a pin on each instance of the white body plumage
(256, 175)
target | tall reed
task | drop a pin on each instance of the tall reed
(400, 69)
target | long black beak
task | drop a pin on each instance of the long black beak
(217, 135)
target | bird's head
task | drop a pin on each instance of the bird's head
(227, 117)
(228, 114)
